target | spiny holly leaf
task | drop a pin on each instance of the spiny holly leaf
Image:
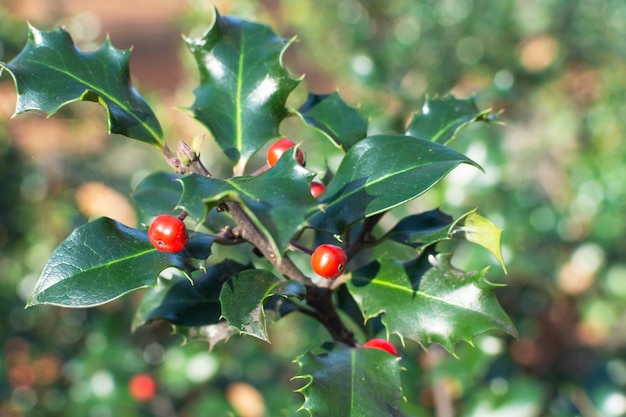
(243, 84)
(476, 229)
(329, 114)
(51, 72)
(428, 300)
(188, 303)
(276, 200)
(441, 119)
(103, 260)
(379, 173)
(350, 382)
(243, 296)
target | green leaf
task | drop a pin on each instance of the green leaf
(103, 260)
(243, 84)
(276, 200)
(188, 303)
(243, 297)
(428, 228)
(421, 229)
(51, 72)
(330, 115)
(428, 300)
(212, 333)
(379, 173)
(476, 229)
(158, 193)
(350, 382)
(441, 119)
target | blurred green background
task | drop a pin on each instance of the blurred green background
(554, 181)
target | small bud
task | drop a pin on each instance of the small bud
(185, 153)
(197, 144)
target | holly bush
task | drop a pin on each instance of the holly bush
(251, 234)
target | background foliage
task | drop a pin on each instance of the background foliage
(554, 182)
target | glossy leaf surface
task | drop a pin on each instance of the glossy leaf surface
(103, 260)
(441, 119)
(428, 300)
(276, 200)
(350, 382)
(188, 303)
(421, 229)
(243, 84)
(330, 115)
(243, 296)
(382, 172)
(51, 72)
(158, 193)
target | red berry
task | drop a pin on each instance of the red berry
(382, 344)
(168, 233)
(328, 261)
(317, 188)
(279, 147)
(142, 387)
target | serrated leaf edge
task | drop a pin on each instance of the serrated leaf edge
(33, 33)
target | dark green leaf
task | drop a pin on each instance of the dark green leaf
(441, 119)
(276, 200)
(243, 85)
(185, 303)
(328, 113)
(382, 172)
(428, 300)
(158, 193)
(350, 382)
(346, 303)
(431, 227)
(51, 72)
(421, 229)
(103, 260)
(243, 297)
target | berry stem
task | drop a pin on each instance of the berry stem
(261, 170)
(300, 248)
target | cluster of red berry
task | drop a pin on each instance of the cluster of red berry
(327, 261)
(169, 234)
(277, 150)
